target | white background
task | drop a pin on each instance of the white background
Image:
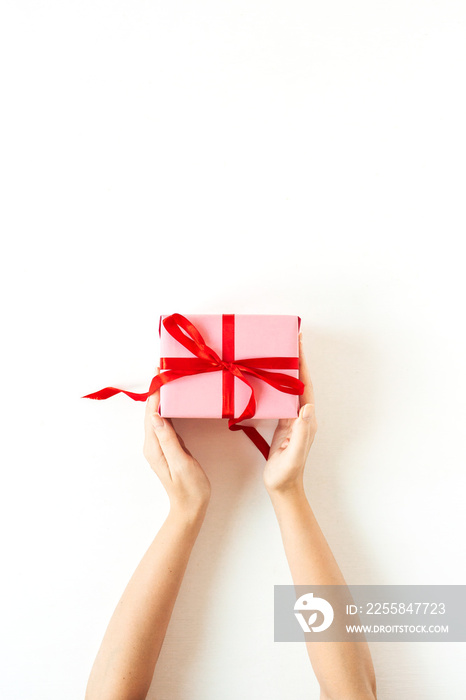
(228, 157)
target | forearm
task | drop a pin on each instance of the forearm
(344, 669)
(309, 556)
(126, 660)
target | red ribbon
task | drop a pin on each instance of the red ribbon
(207, 360)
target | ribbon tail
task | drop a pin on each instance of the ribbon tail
(110, 391)
(155, 384)
(254, 435)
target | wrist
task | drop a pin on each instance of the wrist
(289, 494)
(189, 514)
(294, 488)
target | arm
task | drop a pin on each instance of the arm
(344, 670)
(125, 663)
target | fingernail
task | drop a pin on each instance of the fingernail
(307, 412)
(157, 421)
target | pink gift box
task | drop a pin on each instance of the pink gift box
(255, 336)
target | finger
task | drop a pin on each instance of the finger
(152, 404)
(181, 441)
(301, 432)
(168, 440)
(152, 407)
(282, 431)
(154, 455)
(308, 395)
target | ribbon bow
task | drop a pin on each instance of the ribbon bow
(207, 360)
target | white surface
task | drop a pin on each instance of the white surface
(228, 157)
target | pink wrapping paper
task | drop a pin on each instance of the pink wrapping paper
(200, 396)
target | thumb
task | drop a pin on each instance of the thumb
(301, 432)
(168, 439)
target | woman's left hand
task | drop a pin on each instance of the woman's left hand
(292, 440)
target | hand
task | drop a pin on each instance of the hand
(292, 440)
(182, 476)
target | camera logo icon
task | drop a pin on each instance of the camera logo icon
(308, 604)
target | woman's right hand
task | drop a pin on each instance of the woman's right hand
(183, 478)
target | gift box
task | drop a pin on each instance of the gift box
(226, 366)
(233, 338)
